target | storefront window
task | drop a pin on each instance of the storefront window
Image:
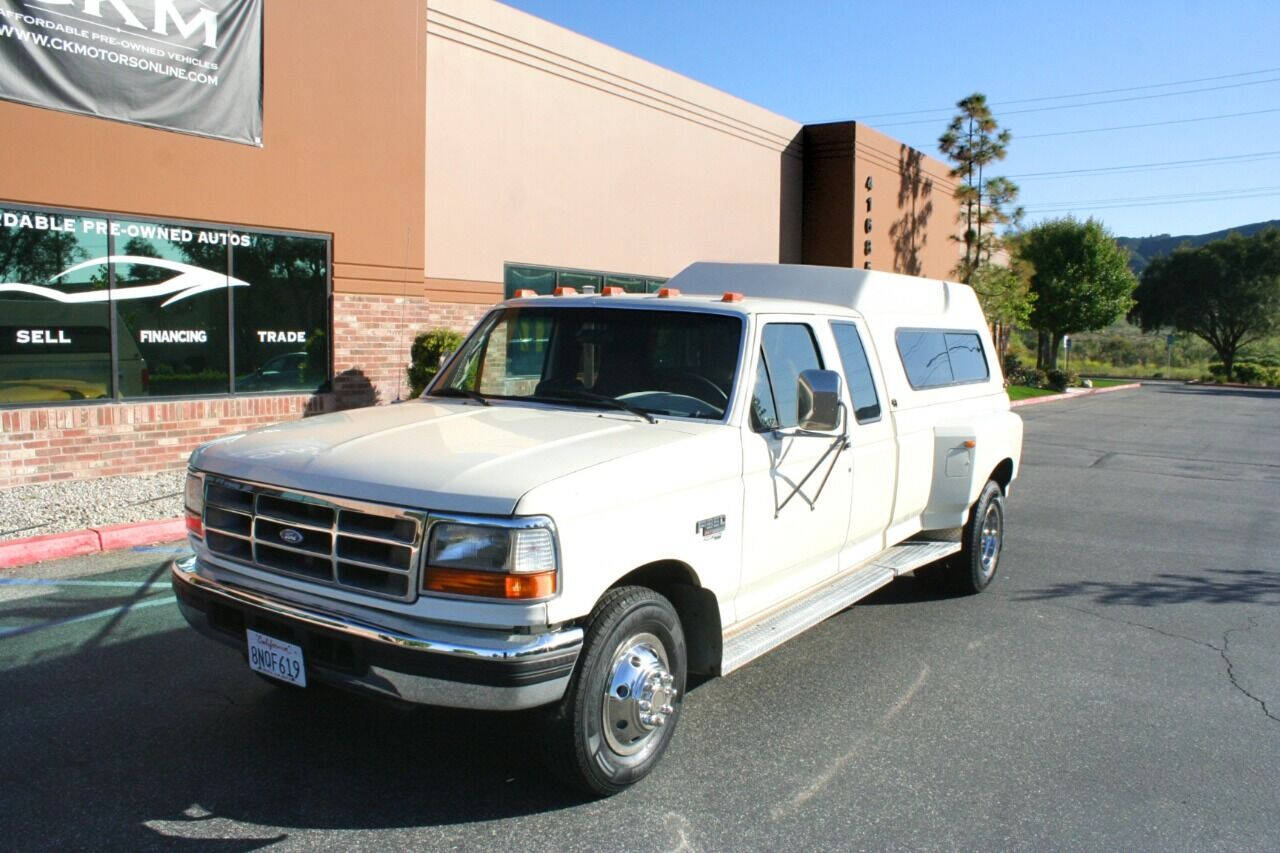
(177, 296)
(281, 317)
(164, 312)
(544, 280)
(55, 333)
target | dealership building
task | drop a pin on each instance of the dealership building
(244, 211)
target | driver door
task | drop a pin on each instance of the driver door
(787, 549)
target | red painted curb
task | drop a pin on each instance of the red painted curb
(54, 546)
(34, 549)
(1053, 398)
(141, 533)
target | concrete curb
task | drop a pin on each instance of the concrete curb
(1075, 395)
(53, 546)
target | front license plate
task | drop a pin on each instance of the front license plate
(276, 658)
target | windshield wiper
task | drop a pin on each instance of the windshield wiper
(462, 392)
(573, 395)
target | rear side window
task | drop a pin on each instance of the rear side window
(934, 358)
(857, 372)
(787, 349)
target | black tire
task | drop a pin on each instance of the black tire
(579, 744)
(981, 543)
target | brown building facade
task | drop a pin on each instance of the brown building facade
(416, 165)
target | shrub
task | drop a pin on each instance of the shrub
(428, 348)
(1218, 370)
(1061, 380)
(1011, 363)
(1250, 373)
(1028, 376)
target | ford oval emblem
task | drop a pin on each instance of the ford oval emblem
(291, 536)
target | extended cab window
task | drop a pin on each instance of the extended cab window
(786, 349)
(857, 372)
(933, 358)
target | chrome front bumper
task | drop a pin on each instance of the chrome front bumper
(439, 665)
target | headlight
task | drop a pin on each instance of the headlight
(193, 499)
(491, 561)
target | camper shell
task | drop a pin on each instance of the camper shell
(600, 493)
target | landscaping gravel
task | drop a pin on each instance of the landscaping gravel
(74, 505)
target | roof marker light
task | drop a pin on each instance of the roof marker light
(565, 291)
(526, 293)
(732, 296)
(612, 290)
(668, 292)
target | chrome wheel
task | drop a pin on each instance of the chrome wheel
(639, 695)
(990, 539)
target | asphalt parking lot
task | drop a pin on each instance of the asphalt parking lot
(1117, 687)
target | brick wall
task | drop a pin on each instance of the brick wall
(54, 443)
(372, 335)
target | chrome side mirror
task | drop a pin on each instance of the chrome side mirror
(818, 400)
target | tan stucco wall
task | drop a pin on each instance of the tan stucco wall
(546, 147)
(343, 147)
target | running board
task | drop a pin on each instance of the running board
(801, 615)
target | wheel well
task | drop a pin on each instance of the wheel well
(1003, 474)
(696, 606)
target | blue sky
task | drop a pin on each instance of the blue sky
(822, 60)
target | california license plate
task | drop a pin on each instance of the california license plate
(276, 658)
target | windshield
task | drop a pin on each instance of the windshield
(678, 363)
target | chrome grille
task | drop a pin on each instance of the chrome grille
(367, 548)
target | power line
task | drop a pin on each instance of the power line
(1147, 203)
(1150, 167)
(1097, 103)
(1082, 94)
(1147, 124)
(1145, 200)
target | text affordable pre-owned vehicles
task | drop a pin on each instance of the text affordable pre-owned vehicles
(599, 494)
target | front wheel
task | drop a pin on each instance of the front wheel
(621, 708)
(982, 541)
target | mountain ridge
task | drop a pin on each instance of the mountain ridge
(1142, 250)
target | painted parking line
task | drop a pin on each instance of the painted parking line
(7, 633)
(55, 583)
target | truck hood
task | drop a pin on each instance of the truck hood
(454, 456)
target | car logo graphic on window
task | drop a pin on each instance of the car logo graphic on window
(290, 535)
(189, 281)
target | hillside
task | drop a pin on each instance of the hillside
(1143, 249)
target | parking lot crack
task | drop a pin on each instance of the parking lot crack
(1231, 670)
(1170, 634)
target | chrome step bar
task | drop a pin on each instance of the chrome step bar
(775, 629)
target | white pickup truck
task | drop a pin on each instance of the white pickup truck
(601, 493)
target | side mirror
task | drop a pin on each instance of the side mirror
(818, 400)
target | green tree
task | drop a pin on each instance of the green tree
(1081, 280)
(972, 141)
(1006, 299)
(1226, 292)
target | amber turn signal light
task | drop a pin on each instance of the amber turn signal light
(489, 584)
(194, 524)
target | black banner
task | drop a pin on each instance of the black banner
(188, 65)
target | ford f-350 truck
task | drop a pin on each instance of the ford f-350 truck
(601, 493)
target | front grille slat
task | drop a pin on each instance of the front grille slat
(346, 544)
